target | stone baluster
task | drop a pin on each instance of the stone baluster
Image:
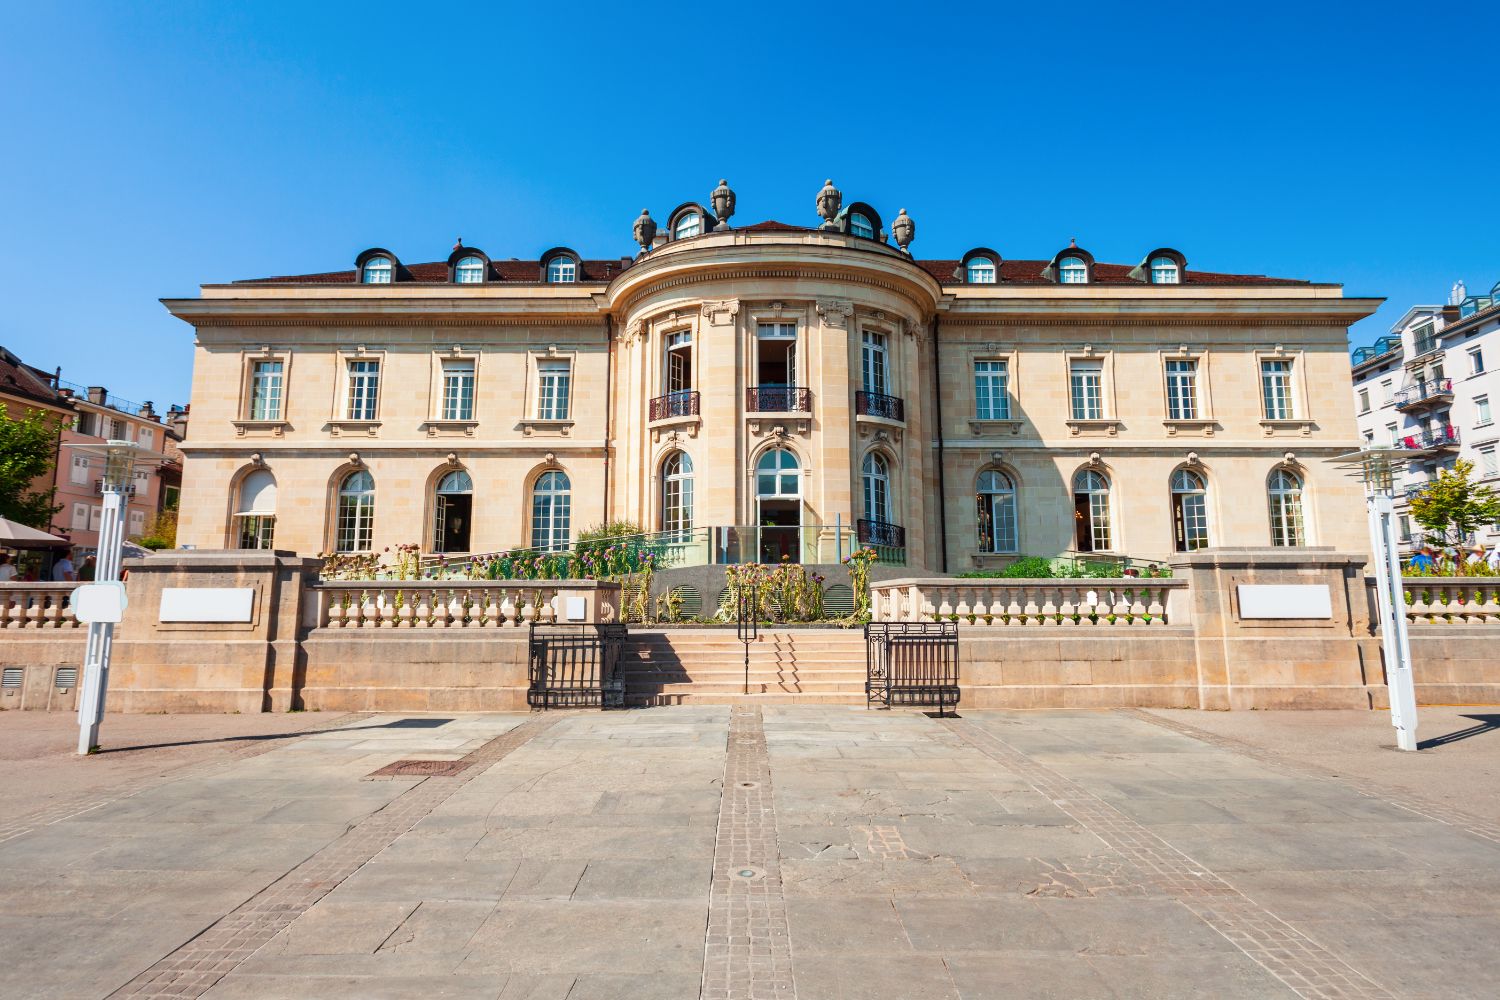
(406, 611)
(1157, 606)
(1120, 607)
(52, 610)
(1137, 605)
(440, 607)
(945, 605)
(548, 610)
(421, 616)
(1488, 600)
(1013, 604)
(67, 619)
(1416, 608)
(1049, 604)
(509, 614)
(369, 611)
(456, 608)
(1031, 608)
(963, 608)
(34, 610)
(387, 605)
(335, 609)
(473, 601)
(491, 609)
(529, 609)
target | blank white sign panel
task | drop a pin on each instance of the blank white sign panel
(207, 604)
(1285, 600)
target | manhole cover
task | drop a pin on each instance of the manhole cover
(420, 769)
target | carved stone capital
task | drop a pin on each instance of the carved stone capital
(835, 312)
(720, 312)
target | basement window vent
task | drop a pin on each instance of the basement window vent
(66, 678)
(11, 678)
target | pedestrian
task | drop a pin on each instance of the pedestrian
(1493, 559)
(1422, 562)
(62, 571)
(7, 568)
(1475, 557)
(86, 571)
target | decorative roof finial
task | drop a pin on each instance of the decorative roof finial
(829, 201)
(903, 230)
(1072, 243)
(458, 244)
(722, 200)
(644, 230)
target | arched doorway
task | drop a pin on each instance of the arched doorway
(452, 512)
(778, 503)
(1091, 521)
(1189, 511)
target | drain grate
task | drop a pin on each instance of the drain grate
(420, 769)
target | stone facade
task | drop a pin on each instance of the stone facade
(671, 352)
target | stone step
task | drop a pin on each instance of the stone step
(727, 686)
(780, 698)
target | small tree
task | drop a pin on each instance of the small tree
(162, 532)
(1452, 507)
(28, 450)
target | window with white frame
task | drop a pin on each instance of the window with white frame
(677, 493)
(689, 224)
(981, 271)
(873, 363)
(1086, 389)
(363, 390)
(78, 474)
(356, 512)
(991, 390)
(255, 514)
(778, 474)
(1164, 271)
(1364, 401)
(860, 225)
(469, 271)
(551, 511)
(1387, 390)
(458, 389)
(554, 382)
(1488, 463)
(1189, 511)
(1476, 361)
(876, 476)
(996, 501)
(117, 430)
(80, 520)
(96, 517)
(1394, 430)
(562, 271)
(1482, 411)
(1091, 511)
(378, 271)
(1276, 388)
(1182, 389)
(1072, 271)
(146, 436)
(137, 523)
(1405, 527)
(1285, 494)
(679, 370)
(265, 390)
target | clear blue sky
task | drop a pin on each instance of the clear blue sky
(143, 152)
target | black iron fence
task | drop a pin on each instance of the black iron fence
(881, 533)
(778, 399)
(675, 404)
(912, 663)
(878, 404)
(576, 666)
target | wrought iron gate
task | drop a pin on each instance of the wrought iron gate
(912, 663)
(576, 666)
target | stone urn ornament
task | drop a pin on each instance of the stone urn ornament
(723, 202)
(830, 200)
(645, 230)
(903, 230)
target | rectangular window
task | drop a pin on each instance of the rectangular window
(265, 390)
(117, 430)
(1276, 389)
(458, 390)
(1394, 431)
(679, 361)
(1387, 390)
(257, 531)
(1489, 465)
(1481, 411)
(364, 389)
(81, 516)
(873, 363)
(78, 474)
(137, 523)
(1364, 401)
(554, 386)
(1476, 361)
(1369, 439)
(1086, 389)
(1405, 527)
(146, 436)
(96, 515)
(87, 423)
(991, 390)
(1182, 390)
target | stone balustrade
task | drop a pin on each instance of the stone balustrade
(1459, 600)
(465, 604)
(1093, 603)
(36, 606)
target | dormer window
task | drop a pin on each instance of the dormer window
(690, 224)
(1072, 271)
(562, 271)
(981, 271)
(469, 271)
(860, 225)
(378, 271)
(1164, 271)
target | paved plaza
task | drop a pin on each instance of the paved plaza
(753, 852)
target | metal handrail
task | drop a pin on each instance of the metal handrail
(881, 533)
(682, 403)
(879, 404)
(1424, 391)
(1443, 436)
(778, 399)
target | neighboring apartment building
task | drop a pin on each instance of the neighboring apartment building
(24, 390)
(755, 387)
(1430, 385)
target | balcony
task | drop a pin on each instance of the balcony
(881, 533)
(878, 404)
(1425, 345)
(1443, 438)
(128, 489)
(1412, 489)
(1423, 394)
(778, 399)
(1379, 349)
(683, 403)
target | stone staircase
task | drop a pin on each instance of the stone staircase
(707, 667)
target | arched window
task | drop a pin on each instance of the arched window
(877, 489)
(469, 271)
(1164, 271)
(562, 271)
(1189, 511)
(1072, 271)
(452, 512)
(981, 271)
(378, 271)
(356, 512)
(688, 224)
(777, 474)
(677, 493)
(996, 499)
(1285, 494)
(551, 512)
(256, 511)
(860, 225)
(1091, 511)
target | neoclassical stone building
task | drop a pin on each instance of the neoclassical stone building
(756, 389)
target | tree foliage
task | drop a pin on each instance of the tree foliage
(28, 450)
(1452, 507)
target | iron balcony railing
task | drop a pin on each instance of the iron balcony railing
(683, 403)
(128, 489)
(1424, 392)
(1444, 437)
(879, 404)
(881, 533)
(778, 399)
(1412, 489)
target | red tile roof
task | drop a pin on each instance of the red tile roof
(20, 379)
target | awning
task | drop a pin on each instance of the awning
(258, 494)
(19, 536)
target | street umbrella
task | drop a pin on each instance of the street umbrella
(18, 536)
